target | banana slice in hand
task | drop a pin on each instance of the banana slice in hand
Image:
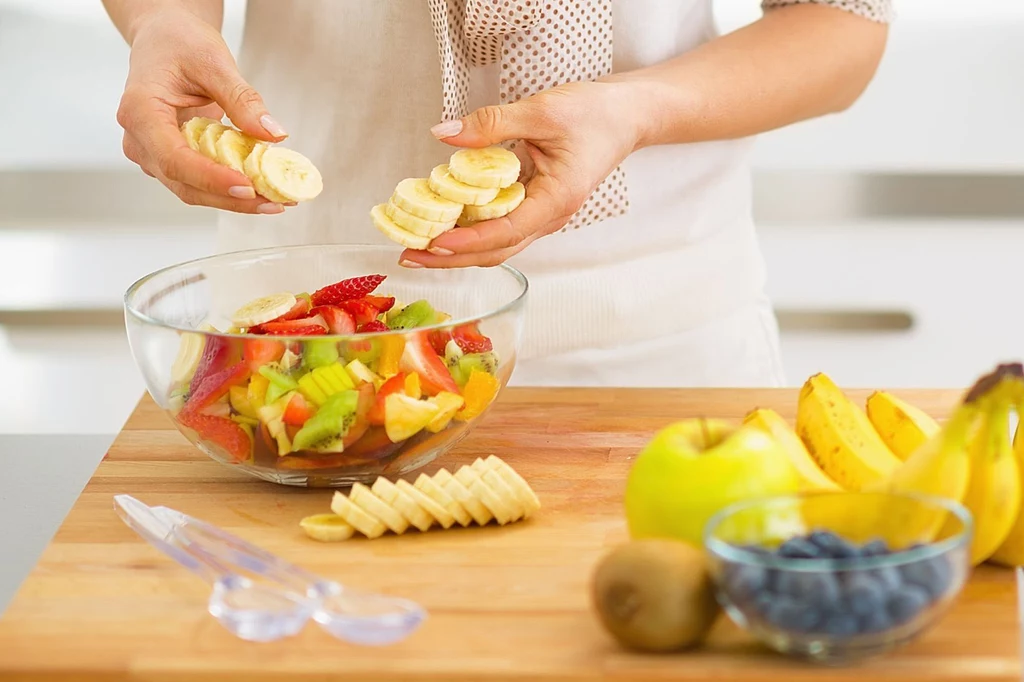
(507, 201)
(290, 174)
(233, 148)
(193, 128)
(442, 183)
(487, 167)
(252, 166)
(263, 309)
(414, 196)
(208, 140)
(397, 234)
(415, 224)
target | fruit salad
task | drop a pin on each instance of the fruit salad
(285, 391)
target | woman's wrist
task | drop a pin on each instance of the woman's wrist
(208, 11)
(652, 108)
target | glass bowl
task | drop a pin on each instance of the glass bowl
(244, 398)
(837, 577)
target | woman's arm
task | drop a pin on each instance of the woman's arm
(795, 63)
(128, 15)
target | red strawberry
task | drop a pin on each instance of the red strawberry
(300, 309)
(222, 432)
(218, 353)
(470, 339)
(439, 338)
(419, 357)
(338, 321)
(373, 326)
(298, 411)
(259, 352)
(381, 303)
(215, 386)
(347, 289)
(361, 311)
(395, 384)
(301, 327)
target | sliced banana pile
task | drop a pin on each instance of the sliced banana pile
(475, 185)
(487, 490)
(277, 173)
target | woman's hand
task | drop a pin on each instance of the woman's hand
(574, 136)
(180, 67)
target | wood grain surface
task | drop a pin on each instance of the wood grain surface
(505, 603)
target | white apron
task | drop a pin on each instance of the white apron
(669, 294)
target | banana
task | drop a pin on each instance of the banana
(252, 168)
(1011, 551)
(414, 196)
(406, 506)
(362, 496)
(501, 509)
(290, 174)
(189, 353)
(442, 515)
(263, 309)
(327, 527)
(444, 184)
(840, 437)
(486, 167)
(903, 427)
(527, 497)
(357, 517)
(772, 423)
(193, 128)
(208, 140)
(414, 224)
(233, 147)
(461, 493)
(431, 489)
(382, 222)
(494, 481)
(507, 201)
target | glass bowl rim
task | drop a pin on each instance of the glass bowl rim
(132, 290)
(736, 554)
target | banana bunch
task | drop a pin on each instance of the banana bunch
(487, 490)
(475, 185)
(277, 173)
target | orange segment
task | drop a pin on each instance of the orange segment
(412, 386)
(390, 353)
(478, 393)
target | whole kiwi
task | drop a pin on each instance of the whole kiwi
(655, 595)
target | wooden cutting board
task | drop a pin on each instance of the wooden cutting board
(504, 603)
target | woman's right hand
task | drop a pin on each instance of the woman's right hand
(181, 67)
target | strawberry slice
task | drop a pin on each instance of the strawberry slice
(298, 411)
(373, 326)
(419, 357)
(300, 309)
(470, 339)
(226, 434)
(215, 386)
(347, 289)
(438, 339)
(361, 311)
(300, 327)
(218, 353)
(259, 352)
(338, 321)
(381, 303)
(393, 385)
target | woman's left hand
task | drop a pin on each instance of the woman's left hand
(574, 136)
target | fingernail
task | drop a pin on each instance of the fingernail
(438, 251)
(272, 126)
(410, 264)
(241, 192)
(269, 208)
(447, 129)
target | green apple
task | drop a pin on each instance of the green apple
(693, 468)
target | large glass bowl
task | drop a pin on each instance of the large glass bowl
(837, 577)
(180, 329)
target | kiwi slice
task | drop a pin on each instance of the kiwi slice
(416, 314)
(319, 353)
(332, 420)
(464, 366)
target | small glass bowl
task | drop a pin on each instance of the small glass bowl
(838, 577)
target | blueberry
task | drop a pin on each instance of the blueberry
(839, 625)
(831, 545)
(874, 548)
(789, 614)
(876, 621)
(889, 576)
(817, 588)
(746, 582)
(764, 603)
(799, 548)
(864, 594)
(906, 603)
(934, 575)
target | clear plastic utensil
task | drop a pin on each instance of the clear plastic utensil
(248, 610)
(349, 614)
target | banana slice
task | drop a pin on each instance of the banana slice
(487, 167)
(524, 492)
(251, 168)
(208, 140)
(507, 201)
(414, 224)
(483, 492)
(431, 489)
(327, 527)
(233, 147)
(193, 128)
(263, 309)
(362, 521)
(395, 233)
(189, 353)
(362, 497)
(406, 506)
(444, 184)
(290, 174)
(480, 513)
(443, 516)
(502, 489)
(413, 195)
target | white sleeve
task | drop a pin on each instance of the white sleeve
(876, 10)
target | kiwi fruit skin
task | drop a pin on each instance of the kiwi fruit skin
(655, 595)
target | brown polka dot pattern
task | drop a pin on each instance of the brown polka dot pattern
(875, 10)
(538, 45)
